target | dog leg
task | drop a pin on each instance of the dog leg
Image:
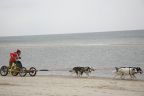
(131, 77)
(87, 74)
(81, 73)
(134, 76)
(77, 74)
(115, 75)
(122, 76)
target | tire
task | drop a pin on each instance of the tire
(14, 71)
(4, 70)
(23, 72)
(32, 71)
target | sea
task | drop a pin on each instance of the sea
(59, 53)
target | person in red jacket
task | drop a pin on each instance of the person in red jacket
(14, 57)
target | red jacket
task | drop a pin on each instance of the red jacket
(13, 57)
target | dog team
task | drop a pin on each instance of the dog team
(119, 71)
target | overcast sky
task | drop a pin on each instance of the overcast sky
(33, 17)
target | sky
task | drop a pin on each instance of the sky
(38, 17)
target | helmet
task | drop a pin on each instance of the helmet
(18, 51)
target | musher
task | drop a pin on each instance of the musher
(14, 58)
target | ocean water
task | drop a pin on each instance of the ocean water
(60, 53)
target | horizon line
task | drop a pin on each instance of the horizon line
(115, 31)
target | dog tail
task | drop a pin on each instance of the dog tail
(70, 70)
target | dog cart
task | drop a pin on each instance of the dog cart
(15, 70)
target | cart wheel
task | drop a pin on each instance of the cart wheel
(32, 71)
(14, 71)
(23, 72)
(4, 70)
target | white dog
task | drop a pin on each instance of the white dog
(123, 71)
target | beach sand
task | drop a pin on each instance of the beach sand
(69, 86)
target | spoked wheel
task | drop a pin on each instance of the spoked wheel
(14, 71)
(4, 70)
(32, 71)
(23, 72)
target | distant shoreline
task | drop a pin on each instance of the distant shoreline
(49, 45)
(78, 33)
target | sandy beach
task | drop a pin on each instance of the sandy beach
(69, 86)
